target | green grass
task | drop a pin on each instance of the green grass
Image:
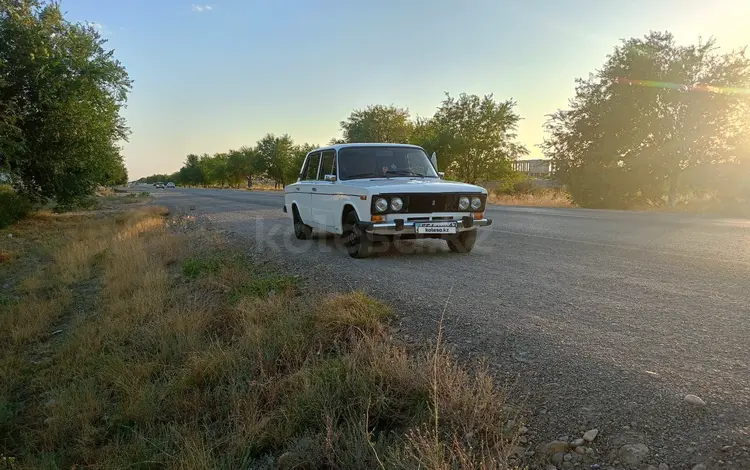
(195, 267)
(264, 285)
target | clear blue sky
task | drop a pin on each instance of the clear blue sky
(219, 75)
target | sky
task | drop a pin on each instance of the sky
(209, 77)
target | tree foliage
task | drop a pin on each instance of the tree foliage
(61, 94)
(276, 158)
(277, 154)
(653, 112)
(378, 123)
(476, 137)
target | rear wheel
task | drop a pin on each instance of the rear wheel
(355, 239)
(464, 242)
(301, 231)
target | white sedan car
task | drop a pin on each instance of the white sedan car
(371, 192)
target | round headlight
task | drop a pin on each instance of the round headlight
(381, 205)
(397, 204)
(463, 203)
(476, 203)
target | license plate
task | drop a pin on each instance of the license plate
(437, 227)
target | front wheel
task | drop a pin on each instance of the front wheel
(301, 230)
(355, 239)
(464, 242)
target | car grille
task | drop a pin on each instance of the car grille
(426, 203)
(431, 203)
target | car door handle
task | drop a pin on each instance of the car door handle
(297, 188)
(315, 189)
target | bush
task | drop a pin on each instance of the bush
(13, 207)
(516, 183)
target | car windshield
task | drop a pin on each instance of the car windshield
(384, 162)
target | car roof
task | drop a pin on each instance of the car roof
(364, 144)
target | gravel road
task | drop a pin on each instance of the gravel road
(599, 319)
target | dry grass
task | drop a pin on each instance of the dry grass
(538, 198)
(133, 347)
(266, 187)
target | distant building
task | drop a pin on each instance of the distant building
(539, 168)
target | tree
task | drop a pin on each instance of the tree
(191, 172)
(655, 110)
(243, 165)
(61, 94)
(276, 155)
(115, 172)
(475, 137)
(298, 158)
(377, 124)
(210, 172)
(425, 133)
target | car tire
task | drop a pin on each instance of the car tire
(355, 239)
(301, 230)
(464, 242)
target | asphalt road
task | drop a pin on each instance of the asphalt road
(599, 319)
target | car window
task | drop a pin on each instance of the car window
(417, 163)
(312, 166)
(327, 167)
(385, 161)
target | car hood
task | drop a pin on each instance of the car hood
(404, 185)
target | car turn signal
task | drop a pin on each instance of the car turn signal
(478, 215)
(377, 218)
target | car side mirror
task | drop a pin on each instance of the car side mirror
(331, 178)
(441, 174)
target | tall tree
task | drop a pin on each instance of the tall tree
(243, 165)
(425, 133)
(191, 172)
(654, 110)
(209, 171)
(475, 137)
(277, 156)
(377, 124)
(298, 158)
(61, 94)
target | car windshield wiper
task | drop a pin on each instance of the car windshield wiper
(404, 173)
(360, 175)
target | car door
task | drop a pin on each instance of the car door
(305, 186)
(324, 192)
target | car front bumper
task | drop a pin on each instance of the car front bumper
(401, 227)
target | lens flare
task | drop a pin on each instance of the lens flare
(698, 87)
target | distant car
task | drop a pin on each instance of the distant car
(159, 185)
(170, 185)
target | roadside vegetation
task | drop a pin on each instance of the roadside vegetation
(538, 197)
(657, 124)
(132, 338)
(61, 141)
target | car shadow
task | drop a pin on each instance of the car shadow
(421, 248)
